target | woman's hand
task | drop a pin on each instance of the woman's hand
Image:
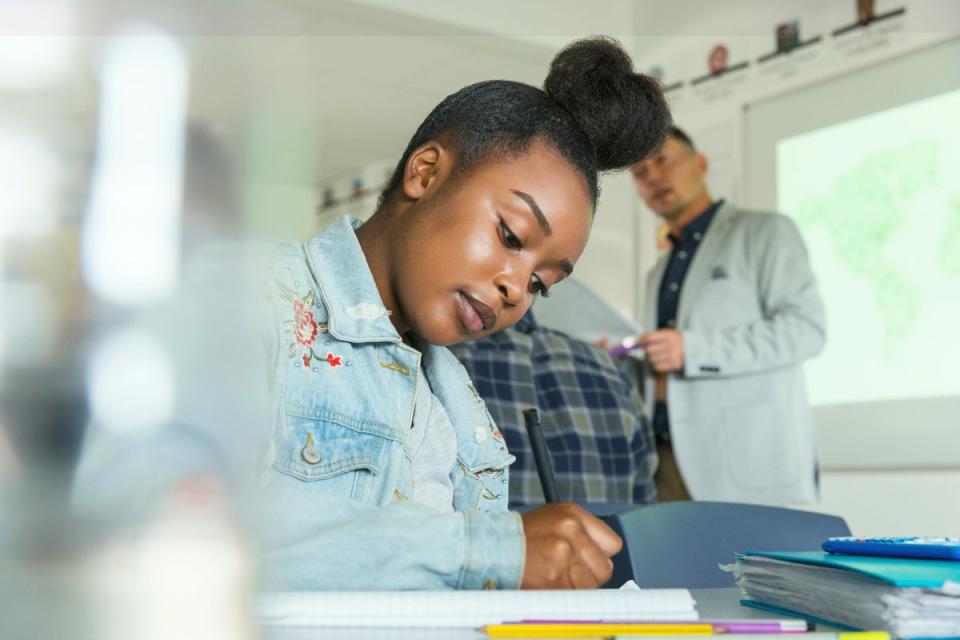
(567, 548)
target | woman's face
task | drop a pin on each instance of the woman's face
(471, 253)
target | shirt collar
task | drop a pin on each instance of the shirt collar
(355, 309)
(697, 226)
(526, 324)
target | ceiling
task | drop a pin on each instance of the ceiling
(302, 90)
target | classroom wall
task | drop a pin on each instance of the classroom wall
(886, 477)
(280, 210)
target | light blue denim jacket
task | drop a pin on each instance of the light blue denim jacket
(339, 486)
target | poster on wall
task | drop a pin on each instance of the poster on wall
(867, 15)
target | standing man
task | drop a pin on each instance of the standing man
(737, 312)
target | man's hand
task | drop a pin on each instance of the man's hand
(567, 548)
(664, 349)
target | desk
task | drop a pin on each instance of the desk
(715, 604)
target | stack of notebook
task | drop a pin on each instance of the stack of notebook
(910, 598)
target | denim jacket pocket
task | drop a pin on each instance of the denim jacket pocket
(335, 459)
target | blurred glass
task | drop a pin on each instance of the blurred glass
(133, 217)
(120, 230)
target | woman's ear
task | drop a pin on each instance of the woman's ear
(426, 167)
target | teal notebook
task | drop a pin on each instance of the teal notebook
(899, 572)
(910, 598)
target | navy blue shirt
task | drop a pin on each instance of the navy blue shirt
(677, 265)
(681, 254)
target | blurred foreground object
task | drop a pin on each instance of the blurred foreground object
(127, 328)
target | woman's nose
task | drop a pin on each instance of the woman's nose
(512, 288)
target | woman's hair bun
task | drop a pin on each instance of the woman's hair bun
(623, 113)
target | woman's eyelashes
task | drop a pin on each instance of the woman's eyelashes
(510, 239)
(537, 286)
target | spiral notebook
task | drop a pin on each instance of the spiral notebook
(469, 609)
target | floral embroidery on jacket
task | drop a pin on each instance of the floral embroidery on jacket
(305, 328)
(333, 361)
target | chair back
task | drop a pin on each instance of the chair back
(681, 544)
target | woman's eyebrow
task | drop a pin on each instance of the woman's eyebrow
(565, 264)
(535, 208)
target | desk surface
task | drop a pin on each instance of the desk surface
(712, 604)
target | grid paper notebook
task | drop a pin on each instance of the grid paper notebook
(468, 609)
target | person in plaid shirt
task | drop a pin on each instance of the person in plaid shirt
(601, 445)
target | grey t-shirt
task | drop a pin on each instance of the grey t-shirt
(432, 447)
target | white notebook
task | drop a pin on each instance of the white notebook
(468, 609)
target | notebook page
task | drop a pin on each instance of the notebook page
(453, 609)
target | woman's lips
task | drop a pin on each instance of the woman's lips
(475, 315)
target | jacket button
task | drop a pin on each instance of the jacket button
(310, 455)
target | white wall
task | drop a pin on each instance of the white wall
(892, 502)
(280, 210)
(608, 265)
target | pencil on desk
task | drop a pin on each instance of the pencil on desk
(762, 626)
(580, 630)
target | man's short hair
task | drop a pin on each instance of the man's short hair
(680, 135)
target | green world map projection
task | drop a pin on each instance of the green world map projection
(866, 207)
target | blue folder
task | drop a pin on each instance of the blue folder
(898, 572)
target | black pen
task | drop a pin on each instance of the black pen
(541, 456)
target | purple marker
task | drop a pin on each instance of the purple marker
(619, 352)
(719, 626)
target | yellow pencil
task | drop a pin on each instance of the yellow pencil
(580, 630)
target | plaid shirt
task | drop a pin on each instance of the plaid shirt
(601, 446)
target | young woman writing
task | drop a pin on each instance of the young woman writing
(387, 471)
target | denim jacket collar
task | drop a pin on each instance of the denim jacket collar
(356, 311)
